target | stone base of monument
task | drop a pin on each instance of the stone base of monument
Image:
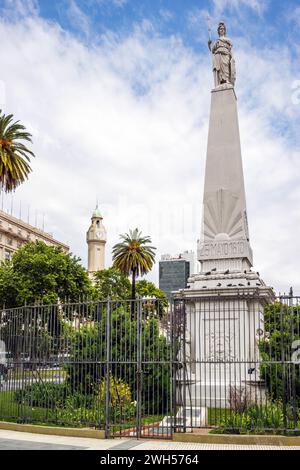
(187, 419)
(224, 318)
(192, 417)
(221, 395)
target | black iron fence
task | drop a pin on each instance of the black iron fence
(88, 364)
(230, 365)
(239, 364)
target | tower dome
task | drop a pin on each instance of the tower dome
(97, 214)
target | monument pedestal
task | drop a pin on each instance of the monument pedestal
(223, 325)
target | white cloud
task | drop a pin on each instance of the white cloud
(15, 9)
(126, 122)
(116, 3)
(293, 15)
(166, 14)
(197, 17)
(296, 15)
(78, 18)
(236, 10)
(119, 3)
(259, 6)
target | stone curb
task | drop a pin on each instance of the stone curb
(237, 439)
(53, 431)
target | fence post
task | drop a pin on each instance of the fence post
(283, 375)
(173, 366)
(139, 370)
(184, 369)
(107, 369)
(293, 393)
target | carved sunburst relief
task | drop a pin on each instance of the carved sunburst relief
(223, 215)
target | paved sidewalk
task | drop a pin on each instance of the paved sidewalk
(12, 440)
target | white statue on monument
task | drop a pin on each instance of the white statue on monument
(223, 60)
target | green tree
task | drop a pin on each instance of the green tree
(134, 256)
(14, 155)
(146, 288)
(39, 272)
(9, 285)
(159, 302)
(111, 284)
(279, 370)
(88, 364)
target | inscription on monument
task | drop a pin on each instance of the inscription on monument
(224, 249)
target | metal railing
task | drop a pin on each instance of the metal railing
(88, 364)
(238, 364)
(218, 363)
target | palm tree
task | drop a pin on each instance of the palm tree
(134, 256)
(14, 155)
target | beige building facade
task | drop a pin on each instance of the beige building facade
(15, 233)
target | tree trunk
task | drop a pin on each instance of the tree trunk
(133, 294)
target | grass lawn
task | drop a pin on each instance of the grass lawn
(14, 412)
(10, 410)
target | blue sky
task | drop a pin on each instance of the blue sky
(258, 20)
(116, 94)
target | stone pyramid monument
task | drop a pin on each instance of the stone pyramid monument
(225, 301)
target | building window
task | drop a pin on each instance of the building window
(10, 228)
(7, 255)
(9, 241)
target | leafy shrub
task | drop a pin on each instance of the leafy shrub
(255, 418)
(78, 400)
(44, 395)
(119, 392)
(69, 407)
(78, 409)
(121, 406)
(281, 374)
(81, 415)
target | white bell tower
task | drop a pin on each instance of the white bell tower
(96, 240)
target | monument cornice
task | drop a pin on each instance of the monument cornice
(264, 293)
(224, 86)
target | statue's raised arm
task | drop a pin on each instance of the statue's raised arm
(223, 60)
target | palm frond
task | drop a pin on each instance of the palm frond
(14, 155)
